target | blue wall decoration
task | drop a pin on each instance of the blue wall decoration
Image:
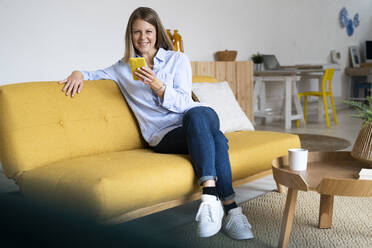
(347, 22)
(356, 20)
(350, 27)
(344, 17)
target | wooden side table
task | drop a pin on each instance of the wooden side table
(328, 173)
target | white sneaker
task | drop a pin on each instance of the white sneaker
(209, 216)
(236, 225)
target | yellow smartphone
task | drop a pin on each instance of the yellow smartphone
(136, 63)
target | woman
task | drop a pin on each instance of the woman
(170, 121)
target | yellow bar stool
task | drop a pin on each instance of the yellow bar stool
(328, 76)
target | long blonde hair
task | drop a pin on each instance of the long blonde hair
(149, 15)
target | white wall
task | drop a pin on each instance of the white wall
(44, 40)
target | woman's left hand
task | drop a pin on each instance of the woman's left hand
(147, 76)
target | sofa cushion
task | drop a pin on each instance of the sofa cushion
(232, 117)
(252, 151)
(41, 125)
(111, 184)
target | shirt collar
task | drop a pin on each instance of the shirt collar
(160, 54)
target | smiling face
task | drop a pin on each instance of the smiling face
(144, 37)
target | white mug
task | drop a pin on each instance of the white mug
(297, 159)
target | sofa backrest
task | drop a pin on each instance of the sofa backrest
(41, 125)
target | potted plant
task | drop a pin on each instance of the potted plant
(362, 149)
(257, 59)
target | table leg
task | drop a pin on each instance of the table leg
(288, 215)
(297, 103)
(256, 94)
(326, 211)
(263, 97)
(288, 103)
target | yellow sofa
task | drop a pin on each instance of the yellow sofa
(87, 152)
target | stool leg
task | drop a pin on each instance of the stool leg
(298, 121)
(333, 109)
(326, 109)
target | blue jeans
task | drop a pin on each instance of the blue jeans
(201, 138)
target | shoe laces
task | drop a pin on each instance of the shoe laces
(205, 211)
(240, 220)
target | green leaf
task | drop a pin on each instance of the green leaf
(364, 111)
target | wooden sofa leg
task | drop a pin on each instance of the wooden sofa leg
(281, 188)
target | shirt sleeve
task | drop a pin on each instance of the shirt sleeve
(177, 96)
(107, 73)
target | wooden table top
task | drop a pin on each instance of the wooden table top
(289, 72)
(273, 73)
(303, 66)
(359, 71)
(325, 169)
(317, 171)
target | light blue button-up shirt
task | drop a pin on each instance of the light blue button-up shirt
(156, 116)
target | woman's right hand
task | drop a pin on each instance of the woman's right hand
(74, 83)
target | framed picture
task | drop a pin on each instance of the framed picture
(355, 57)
